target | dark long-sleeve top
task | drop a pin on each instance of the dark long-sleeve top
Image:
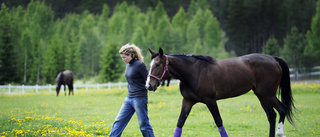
(136, 75)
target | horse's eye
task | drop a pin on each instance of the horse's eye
(157, 65)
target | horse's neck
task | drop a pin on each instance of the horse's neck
(180, 69)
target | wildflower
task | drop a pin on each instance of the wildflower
(30, 118)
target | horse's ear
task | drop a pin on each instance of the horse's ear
(151, 52)
(160, 51)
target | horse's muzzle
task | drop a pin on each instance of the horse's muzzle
(151, 87)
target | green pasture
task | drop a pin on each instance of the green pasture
(91, 113)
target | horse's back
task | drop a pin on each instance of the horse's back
(262, 64)
(68, 75)
(65, 77)
(68, 72)
(259, 58)
(236, 76)
(232, 77)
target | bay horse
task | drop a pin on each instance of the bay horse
(65, 78)
(205, 79)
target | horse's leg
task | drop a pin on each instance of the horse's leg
(213, 107)
(64, 87)
(58, 89)
(271, 114)
(185, 110)
(281, 108)
(69, 87)
(282, 113)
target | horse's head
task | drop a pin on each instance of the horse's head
(158, 69)
(59, 82)
(58, 89)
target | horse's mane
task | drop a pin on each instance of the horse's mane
(207, 59)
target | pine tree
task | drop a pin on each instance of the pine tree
(16, 17)
(293, 49)
(214, 38)
(158, 13)
(103, 25)
(312, 50)
(25, 43)
(37, 23)
(111, 65)
(197, 47)
(149, 30)
(179, 20)
(200, 18)
(90, 45)
(72, 60)
(237, 29)
(195, 6)
(179, 26)
(193, 38)
(54, 60)
(164, 31)
(8, 58)
(139, 39)
(130, 21)
(272, 47)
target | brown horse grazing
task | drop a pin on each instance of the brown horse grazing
(65, 78)
(206, 80)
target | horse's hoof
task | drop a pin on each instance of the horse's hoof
(280, 135)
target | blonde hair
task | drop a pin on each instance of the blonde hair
(131, 49)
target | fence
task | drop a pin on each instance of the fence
(14, 89)
(17, 89)
(304, 72)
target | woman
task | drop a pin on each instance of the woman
(137, 96)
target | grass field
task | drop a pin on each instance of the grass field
(92, 113)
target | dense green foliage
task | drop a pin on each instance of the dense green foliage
(41, 38)
(313, 36)
(7, 53)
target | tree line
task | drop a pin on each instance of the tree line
(35, 45)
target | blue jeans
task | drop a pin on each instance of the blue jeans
(129, 106)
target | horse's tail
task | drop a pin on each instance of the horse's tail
(285, 89)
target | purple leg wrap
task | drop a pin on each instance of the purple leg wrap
(222, 131)
(177, 132)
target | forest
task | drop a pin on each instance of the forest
(40, 38)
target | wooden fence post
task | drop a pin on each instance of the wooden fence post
(9, 88)
(22, 89)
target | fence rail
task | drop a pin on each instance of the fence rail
(17, 89)
(13, 89)
(314, 71)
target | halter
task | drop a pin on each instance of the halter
(164, 71)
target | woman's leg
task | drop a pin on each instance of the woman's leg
(122, 118)
(141, 108)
